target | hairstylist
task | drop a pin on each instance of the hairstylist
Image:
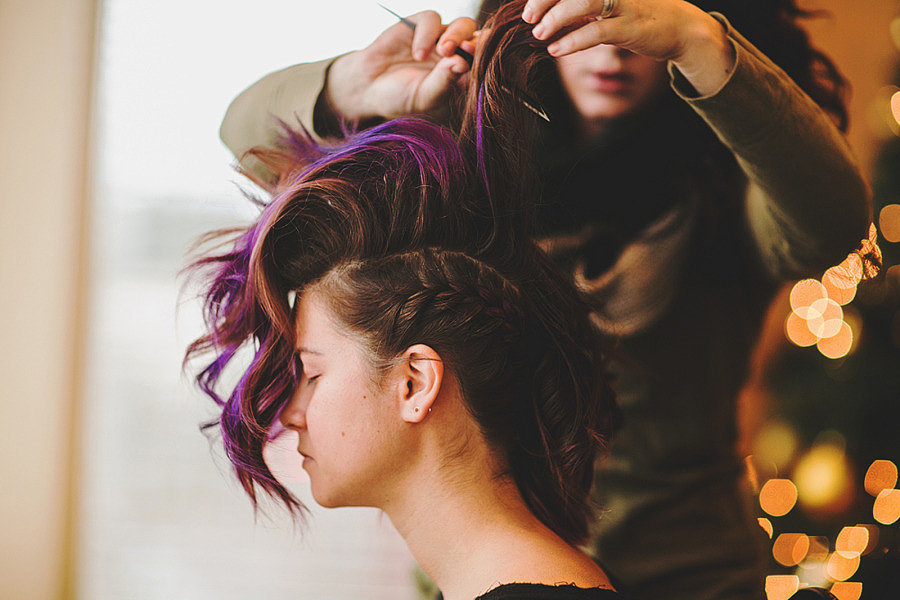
(685, 177)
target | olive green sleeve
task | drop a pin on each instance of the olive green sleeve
(289, 95)
(807, 205)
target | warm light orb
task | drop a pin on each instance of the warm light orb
(889, 220)
(847, 590)
(778, 496)
(797, 330)
(824, 480)
(804, 293)
(776, 443)
(767, 526)
(790, 549)
(841, 567)
(887, 507)
(781, 587)
(881, 115)
(855, 321)
(836, 287)
(895, 106)
(882, 475)
(852, 540)
(825, 317)
(838, 345)
(818, 549)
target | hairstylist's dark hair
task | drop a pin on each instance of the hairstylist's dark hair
(773, 27)
(419, 238)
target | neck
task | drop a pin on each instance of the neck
(460, 526)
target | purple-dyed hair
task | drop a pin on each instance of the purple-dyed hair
(418, 237)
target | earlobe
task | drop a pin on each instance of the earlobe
(423, 375)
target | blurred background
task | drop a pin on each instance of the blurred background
(110, 166)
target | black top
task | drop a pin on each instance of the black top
(536, 591)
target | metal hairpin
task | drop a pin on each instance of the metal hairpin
(522, 97)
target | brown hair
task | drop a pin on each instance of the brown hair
(418, 236)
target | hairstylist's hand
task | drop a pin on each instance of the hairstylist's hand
(662, 29)
(402, 72)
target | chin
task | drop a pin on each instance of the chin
(605, 109)
(325, 498)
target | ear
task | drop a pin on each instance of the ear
(420, 379)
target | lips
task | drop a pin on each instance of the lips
(611, 83)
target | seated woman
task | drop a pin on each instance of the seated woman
(431, 359)
(431, 369)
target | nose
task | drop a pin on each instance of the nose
(606, 56)
(293, 415)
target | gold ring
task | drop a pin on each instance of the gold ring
(608, 7)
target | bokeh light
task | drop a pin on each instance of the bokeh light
(767, 526)
(855, 321)
(852, 540)
(881, 118)
(817, 317)
(838, 345)
(836, 287)
(776, 444)
(895, 32)
(824, 480)
(882, 475)
(889, 222)
(804, 294)
(841, 567)
(781, 587)
(825, 317)
(847, 590)
(874, 533)
(887, 507)
(895, 107)
(818, 549)
(797, 330)
(790, 549)
(778, 496)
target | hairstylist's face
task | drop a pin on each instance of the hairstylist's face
(347, 429)
(606, 82)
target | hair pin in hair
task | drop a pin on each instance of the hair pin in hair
(523, 98)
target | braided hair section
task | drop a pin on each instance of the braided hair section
(523, 351)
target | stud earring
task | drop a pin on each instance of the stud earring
(417, 409)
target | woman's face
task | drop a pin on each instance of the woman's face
(606, 82)
(348, 433)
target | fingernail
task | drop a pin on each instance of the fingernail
(527, 15)
(553, 48)
(538, 31)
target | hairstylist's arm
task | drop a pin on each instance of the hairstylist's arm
(670, 30)
(401, 72)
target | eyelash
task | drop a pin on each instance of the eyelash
(310, 380)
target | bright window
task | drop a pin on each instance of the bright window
(161, 517)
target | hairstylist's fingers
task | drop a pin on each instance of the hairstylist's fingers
(565, 14)
(535, 9)
(587, 36)
(439, 80)
(457, 32)
(428, 30)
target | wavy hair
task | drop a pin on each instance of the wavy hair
(419, 236)
(774, 27)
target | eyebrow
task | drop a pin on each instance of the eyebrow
(302, 350)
